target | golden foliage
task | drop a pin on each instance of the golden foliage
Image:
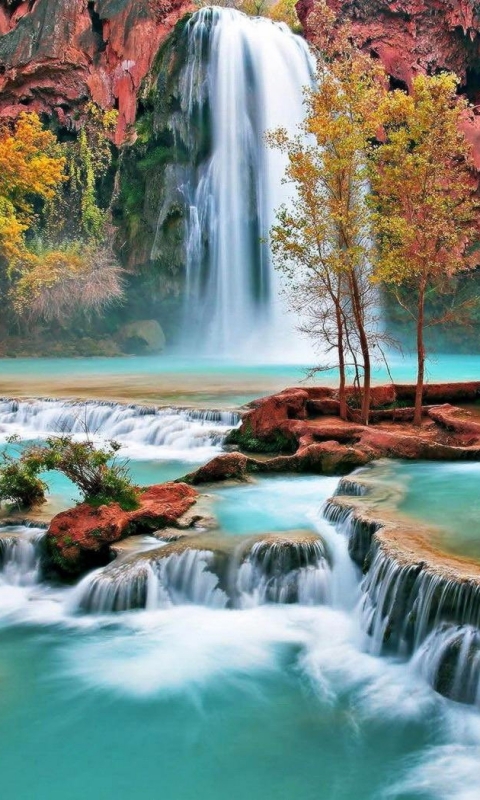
(424, 207)
(31, 168)
(322, 240)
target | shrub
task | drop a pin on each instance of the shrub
(53, 284)
(96, 471)
(19, 482)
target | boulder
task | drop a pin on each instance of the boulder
(142, 337)
(232, 466)
(81, 538)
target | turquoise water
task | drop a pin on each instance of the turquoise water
(447, 495)
(439, 367)
(197, 703)
(271, 504)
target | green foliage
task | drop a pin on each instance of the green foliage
(277, 442)
(19, 482)
(77, 210)
(96, 471)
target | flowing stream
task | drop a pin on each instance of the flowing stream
(196, 694)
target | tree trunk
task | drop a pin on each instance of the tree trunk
(417, 418)
(342, 396)
(364, 347)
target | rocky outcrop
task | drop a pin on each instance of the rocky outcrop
(414, 36)
(298, 428)
(81, 538)
(142, 338)
(55, 55)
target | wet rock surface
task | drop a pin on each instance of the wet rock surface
(81, 538)
(296, 427)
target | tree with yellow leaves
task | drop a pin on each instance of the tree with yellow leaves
(322, 240)
(425, 213)
(31, 169)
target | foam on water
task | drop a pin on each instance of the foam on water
(166, 433)
(414, 742)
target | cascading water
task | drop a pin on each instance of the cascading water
(285, 572)
(266, 572)
(170, 431)
(20, 555)
(243, 77)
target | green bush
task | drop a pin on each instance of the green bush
(96, 471)
(19, 482)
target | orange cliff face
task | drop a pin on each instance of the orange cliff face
(413, 36)
(56, 55)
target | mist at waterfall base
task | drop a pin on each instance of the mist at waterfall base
(242, 77)
(268, 702)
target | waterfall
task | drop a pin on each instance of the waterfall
(243, 76)
(404, 603)
(172, 431)
(151, 582)
(20, 555)
(450, 661)
(413, 610)
(284, 572)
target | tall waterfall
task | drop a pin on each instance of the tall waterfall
(243, 77)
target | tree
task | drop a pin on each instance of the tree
(322, 239)
(31, 169)
(425, 213)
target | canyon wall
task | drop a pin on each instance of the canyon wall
(56, 55)
(413, 36)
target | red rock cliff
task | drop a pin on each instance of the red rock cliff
(412, 36)
(57, 54)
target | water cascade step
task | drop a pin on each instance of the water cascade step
(213, 572)
(171, 430)
(20, 555)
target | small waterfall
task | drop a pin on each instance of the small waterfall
(170, 430)
(413, 610)
(359, 532)
(403, 603)
(449, 658)
(284, 572)
(153, 582)
(243, 76)
(20, 555)
(350, 488)
(267, 572)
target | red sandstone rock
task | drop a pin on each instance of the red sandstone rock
(81, 537)
(414, 36)
(231, 466)
(58, 54)
(453, 419)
